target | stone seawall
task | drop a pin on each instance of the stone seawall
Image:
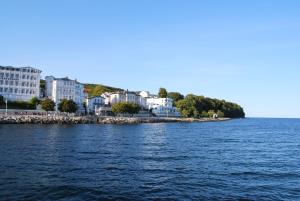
(55, 119)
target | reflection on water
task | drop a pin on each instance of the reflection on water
(240, 159)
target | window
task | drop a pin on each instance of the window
(1, 82)
(5, 89)
(16, 83)
(10, 90)
(6, 82)
(7, 75)
(23, 76)
(16, 91)
(17, 76)
(1, 89)
(11, 82)
(23, 91)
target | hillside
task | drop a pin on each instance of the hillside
(98, 89)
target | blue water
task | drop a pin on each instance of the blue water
(250, 159)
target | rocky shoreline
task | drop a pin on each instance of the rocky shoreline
(59, 119)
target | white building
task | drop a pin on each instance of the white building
(160, 106)
(123, 96)
(19, 84)
(92, 103)
(58, 89)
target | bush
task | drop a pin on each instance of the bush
(2, 102)
(48, 105)
(125, 107)
(67, 106)
(34, 101)
(23, 105)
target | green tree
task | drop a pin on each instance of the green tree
(2, 102)
(200, 106)
(204, 114)
(211, 113)
(125, 108)
(176, 96)
(43, 84)
(34, 101)
(48, 105)
(67, 106)
(162, 93)
(220, 114)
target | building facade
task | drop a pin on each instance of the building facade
(58, 89)
(19, 83)
(162, 107)
(92, 103)
(123, 96)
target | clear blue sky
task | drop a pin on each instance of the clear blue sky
(242, 51)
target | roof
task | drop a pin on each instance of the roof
(20, 68)
(63, 79)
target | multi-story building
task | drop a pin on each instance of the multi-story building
(160, 106)
(58, 89)
(19, 83)
(92, 103)
(123, 96)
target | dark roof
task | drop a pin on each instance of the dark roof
(20, 68)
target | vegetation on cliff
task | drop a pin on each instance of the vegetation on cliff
(98, 89)
(200, 106)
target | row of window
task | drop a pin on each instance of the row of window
(68, 83)
(65, 91)
(17, 91)
(66, 97)
(17, 83)
(16, 76)
(18, 69)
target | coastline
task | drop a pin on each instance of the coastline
(60, 119)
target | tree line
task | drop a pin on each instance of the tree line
(199, 106)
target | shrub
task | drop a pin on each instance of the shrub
(48, 105)
(67, 106)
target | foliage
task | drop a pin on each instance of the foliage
(98, 89)
(125, 107)
(22, 105)
(200, 106)
(162, 93)
(34, 101)
(42, 84)
(48, 104)
(67, 106)
(2, 102)
(176, 96)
